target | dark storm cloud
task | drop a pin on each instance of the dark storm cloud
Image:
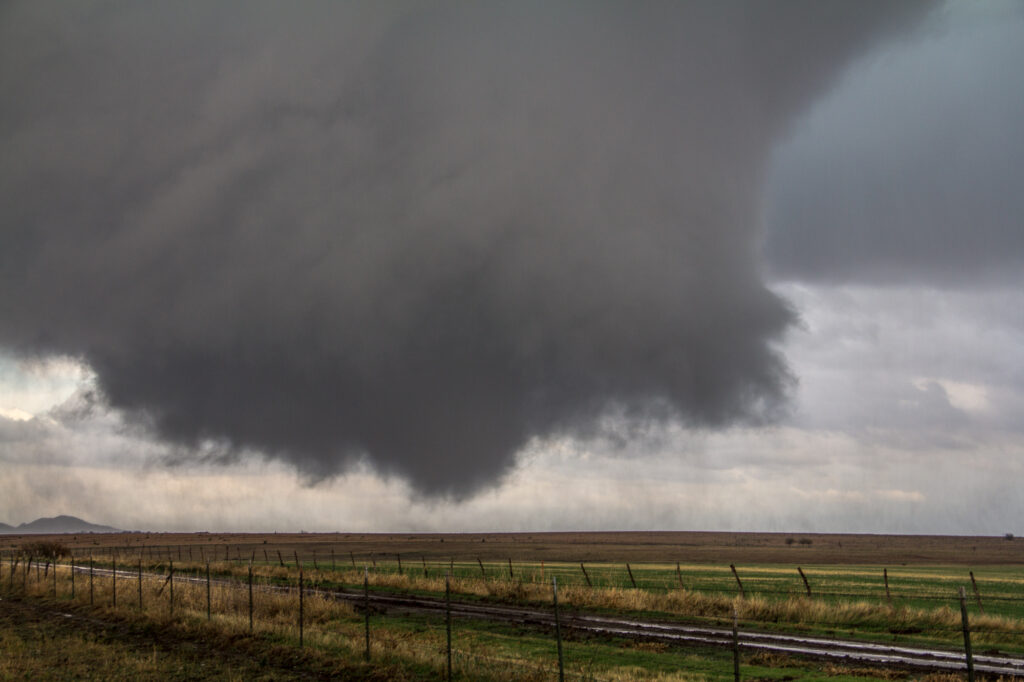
(423, 233)
(912, 171)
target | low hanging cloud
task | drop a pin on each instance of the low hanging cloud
(417, 234)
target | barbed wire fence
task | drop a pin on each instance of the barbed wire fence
(148, 583)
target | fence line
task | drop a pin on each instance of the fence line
(233, 588)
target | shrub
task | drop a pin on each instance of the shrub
(45, 549)
(1008, 536)
(790, 541)
(806, 541)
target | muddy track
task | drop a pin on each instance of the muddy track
(844, 651)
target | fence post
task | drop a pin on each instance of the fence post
(558, 628)
(140, 583)
(736, 575)
(448, 619)
(352, 557)
(885, 576)
(55, 579)
(977, 594)
(366, 607)
(250, 597)
(170, 580)
(332, 558)
(399, 556)
(424, 560)
(510, 576)
(967, 635)
(630, 571)
(585, 576)
(735, 644)
(207, 590)
(482, 573)
(90, 581)
(280, 560)
(297, 564)
(113, 582)
(807, 585)
(300, 606)
(679, 574)
(72, 577)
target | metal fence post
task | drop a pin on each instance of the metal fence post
(967, 636)
(366, 607)
(558, 629)
(735, 644)
(448, 619)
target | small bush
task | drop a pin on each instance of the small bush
(1008, 536)
(806, 541)
(790, 541)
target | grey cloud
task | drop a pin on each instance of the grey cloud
(423, 234)
(911, 170)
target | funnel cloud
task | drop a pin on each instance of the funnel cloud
(414, 235)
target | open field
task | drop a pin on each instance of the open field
(667, 576)
(171, 635)
(665, 547)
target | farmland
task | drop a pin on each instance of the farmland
(840, 590)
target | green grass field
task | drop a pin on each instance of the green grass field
(845, 601)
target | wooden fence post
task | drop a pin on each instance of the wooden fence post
(743, 595)
(170, 580)
(140, 584)
(424, 560)
(72, 577)
(113, 582)
(977, 594)
(353, 557)
(807, 585)
(630, 571)
(558, 628)
(510, 576)
(90, 581)
(679, 574)
(585, 576)
(482, 573)
(885, 576)
(967, 636)
(399, 556)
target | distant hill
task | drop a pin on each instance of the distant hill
(57, 524)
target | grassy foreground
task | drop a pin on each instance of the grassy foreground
(48, 634)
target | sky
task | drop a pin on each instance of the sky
(751, 266)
